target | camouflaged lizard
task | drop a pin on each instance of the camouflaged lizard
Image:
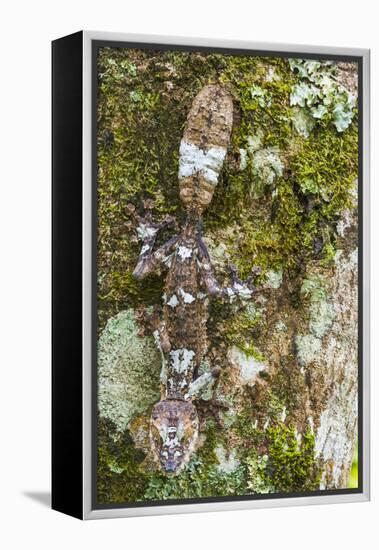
(181, 333)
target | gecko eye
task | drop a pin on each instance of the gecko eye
(177, 454)
(164, 454)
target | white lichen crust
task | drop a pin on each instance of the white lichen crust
(249, 367)
(128, 370)
(193, 160)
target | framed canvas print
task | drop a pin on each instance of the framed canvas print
(210, 275)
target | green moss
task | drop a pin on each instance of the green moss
(245, 425)
(201, 477)
(291, 464)
(300, 224)
(145, 94)
(353, 479)
(277, 459)
(257, 480)
(197, 480)
(120, 476)
(241, 330)
(325, 166)
(266, 106)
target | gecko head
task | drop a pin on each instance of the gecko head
(174, 431)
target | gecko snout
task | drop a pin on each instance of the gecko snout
(174, 431)
(170, 466)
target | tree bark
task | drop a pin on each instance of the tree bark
(282, 416)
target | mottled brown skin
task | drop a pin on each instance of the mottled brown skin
(174, 429)
(209, 124)
(185, 324)
(181, 334)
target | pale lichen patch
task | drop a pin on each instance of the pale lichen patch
(249, 367)
(254, 142)
(303, 122)
(274, 278)
(320, 93)
(227, 462)
(267, 166)
(243, 159)
(257, 478)
(128, 370)
(315, 290)
(241, 290)
(308, 348)
(195, 160)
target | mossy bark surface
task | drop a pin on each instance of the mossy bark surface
(286, 201)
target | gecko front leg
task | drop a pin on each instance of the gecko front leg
(149, 261)
(203, 381)
(212, 406)
(147, 232)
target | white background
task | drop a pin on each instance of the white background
(26, 31)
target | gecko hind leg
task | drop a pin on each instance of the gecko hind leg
(239, 288)
(212, 408)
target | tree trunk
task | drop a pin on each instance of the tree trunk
(282, 416)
